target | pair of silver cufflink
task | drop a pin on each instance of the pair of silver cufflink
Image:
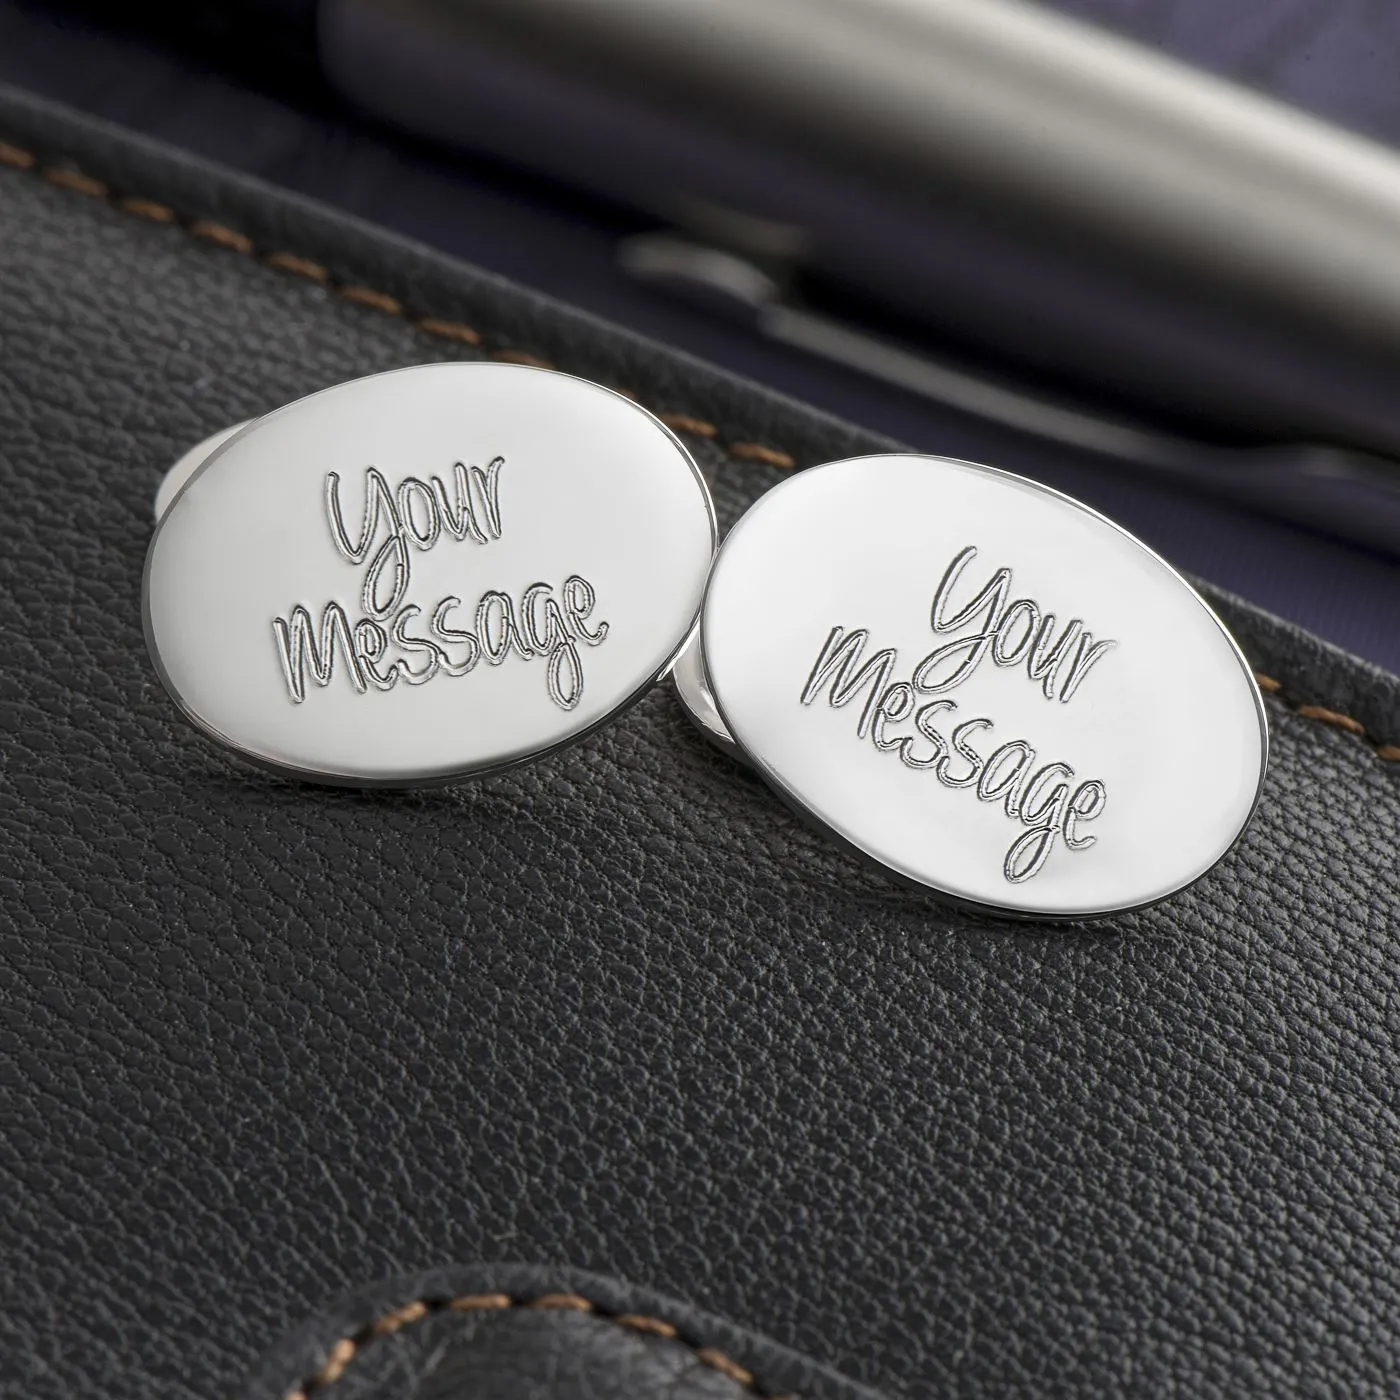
(444, 571)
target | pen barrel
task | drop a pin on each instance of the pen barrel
(1021, 180)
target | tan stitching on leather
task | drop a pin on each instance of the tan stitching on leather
(1337, 721)
(480, 1302)
(450, 330)
(390, 1323)
(341, 1355)
(684, 423)
(76, 181)
(718, 1361)
(300, 267)
(222, 235)
(17, 158)
(1320, 714)
(344, 1352)
(652, 1326)
(520, 357)
(376, 301)
(148, 209)
(562, 1302)
(757, 452)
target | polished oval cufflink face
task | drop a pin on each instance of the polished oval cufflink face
(980, 683)
(427, 574)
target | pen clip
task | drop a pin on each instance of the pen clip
(1351, 494)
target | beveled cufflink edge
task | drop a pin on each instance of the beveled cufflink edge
(202, 454)
(188, 464)
(702, 705)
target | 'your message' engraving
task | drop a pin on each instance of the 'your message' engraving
(395, 641)
(990, 628)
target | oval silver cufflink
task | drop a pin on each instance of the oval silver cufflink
(425, 575)
(979, 683)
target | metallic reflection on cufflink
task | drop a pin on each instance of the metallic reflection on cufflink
(425, 575)
(980, 684)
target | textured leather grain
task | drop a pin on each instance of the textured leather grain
(503, 1332)
(266, 1044)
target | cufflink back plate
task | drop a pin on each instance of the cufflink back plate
(983, 685)
(426, 575)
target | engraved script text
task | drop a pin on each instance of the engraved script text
(394, 640)
(986, 628)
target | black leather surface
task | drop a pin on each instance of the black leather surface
(264, 1044)
(569, 248)
(504, 1332)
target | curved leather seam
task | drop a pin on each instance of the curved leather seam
(344, 1352)
(231, 239)
(222, 236)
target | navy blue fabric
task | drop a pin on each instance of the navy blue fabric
(1336, 57)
